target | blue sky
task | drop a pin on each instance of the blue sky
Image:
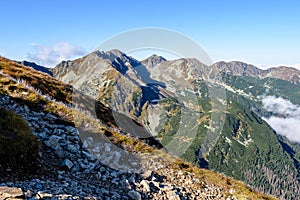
(265, 33)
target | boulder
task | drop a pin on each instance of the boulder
(11, 193)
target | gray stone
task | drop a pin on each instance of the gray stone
(53, 142)
(60, 177)
(50, 117)
(88, 142)
(28, 194)
(131, 179)
(102, 169)
(72, 148)
(113, 174)
(115, 181)
(96, 149)
(83, 166)
(76, 168)
(67, 163)
(26, 109)
(42, 135)
(107, 147)
(90, 167)
(88, 156)
(71, 130)
(135, 195)
(39, 186)
(60, 153)
(104, 191)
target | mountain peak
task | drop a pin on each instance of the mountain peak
(238, 68)
(153, 60)
(110, 55)
(115, 52)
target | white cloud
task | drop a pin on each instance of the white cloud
(281, 106)
(50, 56)
(297, 66)
(289, 127)
(286, 119)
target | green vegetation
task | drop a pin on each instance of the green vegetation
(18, 146)
(266, 86)
(247, 148)
(172, 120)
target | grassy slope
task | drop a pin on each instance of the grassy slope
(248, 149)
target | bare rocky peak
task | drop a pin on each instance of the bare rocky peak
(180, 72)
(237, 68)
(97, 60)
(108, 55)
(285, 73)
(115, 52)
(183, 67)
(153, 60)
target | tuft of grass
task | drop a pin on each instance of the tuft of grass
(18, 146)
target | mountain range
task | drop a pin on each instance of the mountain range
(218, 117)
(215, 115)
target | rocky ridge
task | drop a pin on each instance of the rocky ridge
(237, 68)
(36, 67)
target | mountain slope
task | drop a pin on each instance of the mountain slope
(248, 149)
(183, 103)
(74, 170)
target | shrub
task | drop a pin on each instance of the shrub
(18, 146)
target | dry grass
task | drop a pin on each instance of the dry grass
(18, 146)
(46, 84)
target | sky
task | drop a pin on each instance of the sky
(265, 33)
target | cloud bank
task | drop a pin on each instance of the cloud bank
(286, 119)
(50, 56)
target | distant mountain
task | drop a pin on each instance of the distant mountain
(284, 73)
(153, 60)
(165, 96)
(36, 67)
(243, 69)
